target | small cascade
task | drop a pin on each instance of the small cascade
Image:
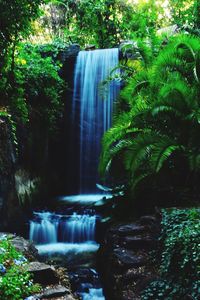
(71, 236)
(92, 109)
(95, 294)
(79, 228)
(50, 228)
(44, 230)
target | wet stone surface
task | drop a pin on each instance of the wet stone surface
(124, 258)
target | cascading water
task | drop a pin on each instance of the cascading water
(92, 108)
(49, 228)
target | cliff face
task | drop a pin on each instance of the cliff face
(8, 195)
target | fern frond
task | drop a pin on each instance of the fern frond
(166, 109)
(162, 151)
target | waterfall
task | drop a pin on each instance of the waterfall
(92, 109)
(50, 228)
(79, 228)
(44, 228)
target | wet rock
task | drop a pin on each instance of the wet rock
(25, 246)
(69, 297)
(137, 242)
(90, 47)
(43, 273)
(126, 259)
(128, 229)
(56, 291)
(83, 275)
(129, 295)
(71, 51)
(148, 220)
(134, 275)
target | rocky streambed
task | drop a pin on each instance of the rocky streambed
(54, 280)
(124, 262)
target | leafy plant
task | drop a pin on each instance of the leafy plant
(179, 263)
(156, 130)
(15, 281)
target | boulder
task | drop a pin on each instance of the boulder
(126, 259)
(128, 294)
(90, 47)
(25, 246)
(139, 242)
(52, 292)
(43, 273)
(128, 229)
(70, 51)
(148, 220)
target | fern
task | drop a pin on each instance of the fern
(157, 99)
(162, 151)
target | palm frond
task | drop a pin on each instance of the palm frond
(163, 149)
(167, 110)
(139, 150)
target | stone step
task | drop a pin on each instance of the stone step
(148, 220)
(126, 259)
(54, 292)
(134, 275)
(128, 229)
(139, 242)
(43, 273)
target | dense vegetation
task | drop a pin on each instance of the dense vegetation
(15, 282)
(179, 260)
(155, 133)
(153, 147)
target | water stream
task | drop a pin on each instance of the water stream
(92, 109)
(70, 241)
(72, 234)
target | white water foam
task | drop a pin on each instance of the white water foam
(64, 248)
(85, 198)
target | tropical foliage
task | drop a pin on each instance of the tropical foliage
(15, 282)
(179, 257)
(158, 130)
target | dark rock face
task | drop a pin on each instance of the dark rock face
(26, 247)
(9, 209)
(69, 174)
(124, 258)
(56, 291)
(70, 51)
(43, 273)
